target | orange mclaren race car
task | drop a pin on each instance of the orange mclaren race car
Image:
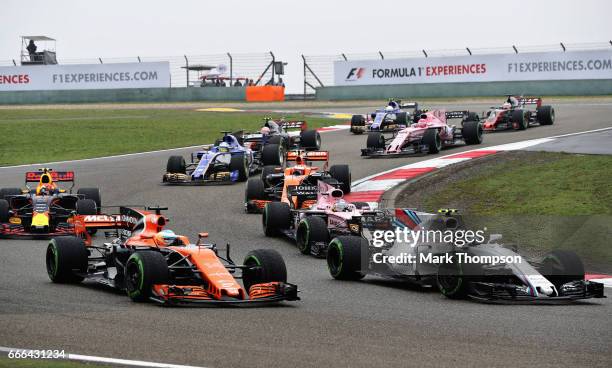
(46, 210)
(295, 185)
(154, 264)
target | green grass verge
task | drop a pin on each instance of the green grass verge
(32, 136)
(542, 201)
(44, 363)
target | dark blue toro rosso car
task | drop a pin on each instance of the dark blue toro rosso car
(225, 162)
(395, 116)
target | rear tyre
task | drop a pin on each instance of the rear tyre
(401, 118)
(451, 281)
(4, 211)
(311, 230)
(545, 115)
(86, 207)
(431, 138)
(357, 124)
(278, 139)
(276, 217)
(344, 258)
(239, 163)
(255, 190)
(342, 173)
(518, 117)
(5, 192)
(176, 165)
(375, 141)
(273, 154)
(310, 140)
(562, 266)
(143, 270)
(471, 116)
(265, 265)
(66, 256)
(472, 132)
(93, 194)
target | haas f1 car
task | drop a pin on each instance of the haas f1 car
(430, 133)
(515, 114)
(395, 116)
(46, 210)
(487, 272)
(312, 228)
(225, 162)
(295, 185)
(153, 264)
(290, 135)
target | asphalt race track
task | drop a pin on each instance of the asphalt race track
(372, 323)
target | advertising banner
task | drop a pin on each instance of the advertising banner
(594, 64)
(85, 76)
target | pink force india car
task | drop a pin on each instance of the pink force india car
(515, 114)
(429, 134)
(313, 228)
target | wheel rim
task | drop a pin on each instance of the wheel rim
(133, 278)
(334, 258)
(303, 236)
(52, 261)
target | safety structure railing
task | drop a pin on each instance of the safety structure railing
(319, 69)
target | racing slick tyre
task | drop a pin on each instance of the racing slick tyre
(176, 165)
(431, 138)
(472, 132)
(450, 280)
(310, 140)
(342, 173)
(357, 124)
(278, 139)
(87, 207)
(375, 141)
(311, 230)
(344, 257)
(518, 117)
(562, 266)
(93, 194)
(545, 115)
(471, 116)
(143, 270)
(4, 192)
(401, 118)
(263, 265)
(66, 255)
(239, 163)
(276, 217)
(255, 189)
(4, 211)
(273, 154)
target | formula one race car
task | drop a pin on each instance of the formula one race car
(295, 185)
(46, 210)
(312, 228)
(153, 264)
(225, 162)
(429, 134)
(288, 134)
(390, 118)
(487, 272)
(514, 114)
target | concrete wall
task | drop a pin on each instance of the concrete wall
(548, 88)
(124, 95)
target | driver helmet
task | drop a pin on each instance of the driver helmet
(340, 205)
(506, 106)
(265, 130)
(224, 147)
(165, 237)
(389, 109)
(44, 189)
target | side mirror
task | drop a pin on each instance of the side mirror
(202, 235)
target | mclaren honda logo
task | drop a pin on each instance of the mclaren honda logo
(355, 73)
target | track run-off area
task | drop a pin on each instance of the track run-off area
(369, 323)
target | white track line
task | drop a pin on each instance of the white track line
(97, 359)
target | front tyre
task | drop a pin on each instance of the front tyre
(66, 257)
(562, 266)
(239, 163)
(344, 258)
(451, 280)
(545, 115)
(375, 141)
(176, 165)
(431, 138)
(143, 270)
(311, 230)
(472, 132)
(263, 265)
(276, 218)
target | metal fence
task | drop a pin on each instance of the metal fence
(255, 66)
(319, 69)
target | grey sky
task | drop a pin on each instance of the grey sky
(113, 28)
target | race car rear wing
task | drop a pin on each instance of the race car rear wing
(295, 124)
(308, 155)
(530, 101)
(59, 176)
(459, 114)
(410, 105)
